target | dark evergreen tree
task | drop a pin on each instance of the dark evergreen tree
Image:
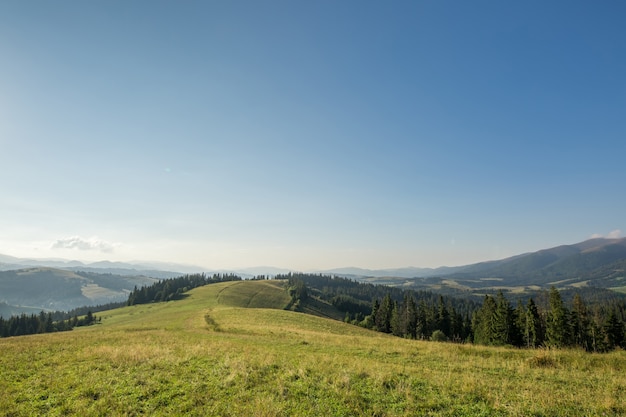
(41, 322)
(409, 317)
(557, 323)
(443, 317)
(422, 329)
(519, 315)
(483, 322)
(596, 333)
(297, 289)
(383, 315)
(397, 327)
(468, 333)
(533, 334)
(614, 330)
(580, 324)
(49, 326)
(502, 331)
(89, 318)
(370, 320)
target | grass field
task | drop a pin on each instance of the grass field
(221, 352)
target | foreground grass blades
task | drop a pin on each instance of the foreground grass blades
(217, 353)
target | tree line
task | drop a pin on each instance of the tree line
(355, 298)
(497, 323)
(171, 289)
(407, 313)
(418, 319)
(596, 329)
(25, 324)
(56, 321)
(542, 322)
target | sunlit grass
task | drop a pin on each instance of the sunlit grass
(619, 289)
(167, 359)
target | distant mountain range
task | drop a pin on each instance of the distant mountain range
(580, 258)
(589, 267)
(592, 259)
(584, 259)
(407, 272)
(152, 269)
(35, 284)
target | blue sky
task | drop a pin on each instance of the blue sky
(310, 135)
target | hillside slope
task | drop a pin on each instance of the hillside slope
(36, 289)
(593, 265)
(543, 267)
(208, 354)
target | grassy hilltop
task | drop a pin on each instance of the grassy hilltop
(229, 349)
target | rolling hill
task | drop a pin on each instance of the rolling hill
(25, 290)
(229, 349)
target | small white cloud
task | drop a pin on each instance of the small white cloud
(614, 234)
(77, 242)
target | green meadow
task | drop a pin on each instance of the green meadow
(229, 349)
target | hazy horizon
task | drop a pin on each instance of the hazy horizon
(310, 135)
(616, 235)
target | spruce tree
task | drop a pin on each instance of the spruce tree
(456, 325)
(614, 330)
(410, 317)
(397, 327)
(443, 317)
(580, 324)
(502, 322)
(383, 315)
(421, 326)
(557, 325)
(483, 322)
(370, 321)
(533, 336)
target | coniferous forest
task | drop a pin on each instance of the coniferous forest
(597, 328)
(25, 324)
(543, 321)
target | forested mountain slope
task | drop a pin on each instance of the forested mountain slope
(595, 265)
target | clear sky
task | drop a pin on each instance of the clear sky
(310, 134)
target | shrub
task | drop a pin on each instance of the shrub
(439, 336)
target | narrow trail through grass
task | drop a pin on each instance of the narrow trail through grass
(167, 359)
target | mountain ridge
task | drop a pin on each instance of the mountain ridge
(591, 266)
(534, 260)
(579, 258)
